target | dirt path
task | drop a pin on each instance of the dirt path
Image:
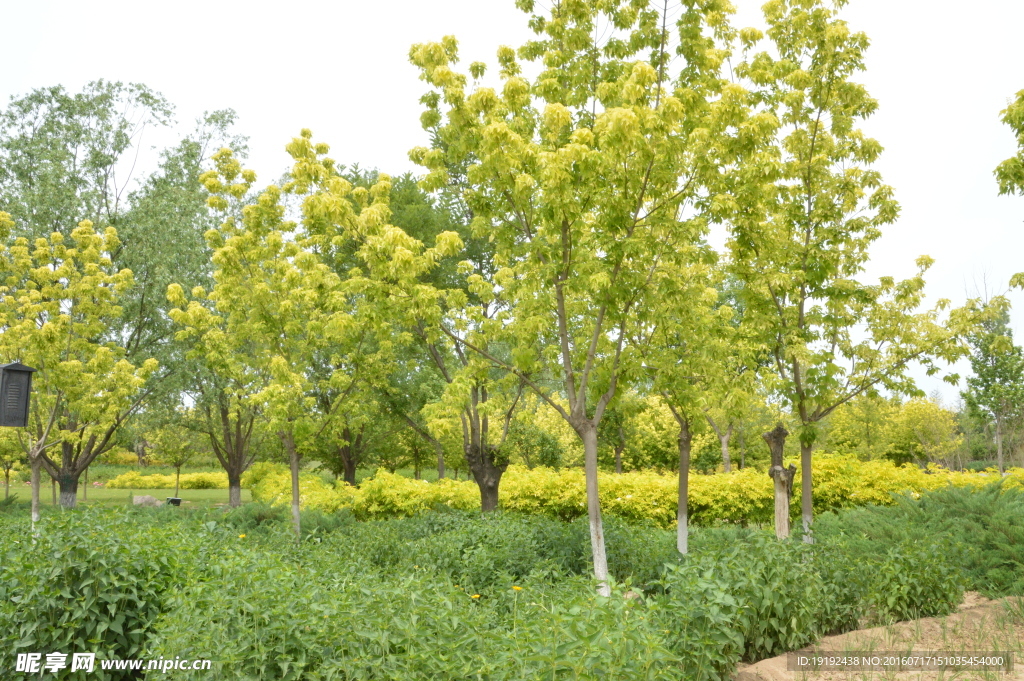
(978, 625)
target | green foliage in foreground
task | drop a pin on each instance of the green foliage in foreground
(459, 595)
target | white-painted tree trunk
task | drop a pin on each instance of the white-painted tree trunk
(589, 436)
(683, 512)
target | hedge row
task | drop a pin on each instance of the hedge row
(135, 480)
(744, 496)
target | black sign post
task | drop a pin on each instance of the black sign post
(15, 390)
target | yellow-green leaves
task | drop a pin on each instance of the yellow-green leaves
(588, 182)
(58, 302)
(806, 210)
(1010, 173)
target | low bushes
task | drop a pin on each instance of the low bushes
(88, 582)
(271, 619)
(454, 594)
(136, 480)
(984, 531)
(507, 596)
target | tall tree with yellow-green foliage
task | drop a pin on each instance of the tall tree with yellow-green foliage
(588, 181)
(805, 211)
(59, 298)
(276, 310)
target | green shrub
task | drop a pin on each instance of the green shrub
(92, 581)
(702, 619)
(981, 533)
(204, 481)
(269, 618)
(136, 480)
(454, 594)
(912, 581)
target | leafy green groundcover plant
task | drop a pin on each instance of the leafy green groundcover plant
(273, 619)
(448, 595)
(89, 582)
(442, 594)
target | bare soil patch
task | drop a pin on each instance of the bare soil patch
(978, 625)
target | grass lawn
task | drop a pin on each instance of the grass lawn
(115, 497)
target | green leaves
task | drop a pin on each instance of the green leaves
(58, 151)
(60, 297)
(811, 208)
(89, 583)
(1010, 173)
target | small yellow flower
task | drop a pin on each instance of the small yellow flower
(241, 536)
(517, 588)
(475, 596)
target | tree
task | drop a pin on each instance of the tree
(176, 446)
(922, 430)
(582, 180)
(221, 391)
(804, 212)
(996, 390)
(421, 362)
(1010, 173)
(67, 157)
(407, 391)
(862, 426)
(358, 432)
(696, 355)
(59, 299)
(169, 208)
(279, 311)
(534, 445)
(734, 375)
(61, 153)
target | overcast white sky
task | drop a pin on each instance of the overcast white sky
(941, 71)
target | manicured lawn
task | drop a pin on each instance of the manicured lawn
(116, 497)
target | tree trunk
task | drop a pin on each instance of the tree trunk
(177, 478)
(35, 464)
(85, 486)
(999, 445)
(489, 497)
(743, 450)
(229, 437)
(589, 435)
(618, 450)
(682, 514)
(293, 463)
(487, 476)
(234, 489)
(806, 507)
(439, 448)
(348, 465)
(724, 439)
(68, 491)
(783, 478)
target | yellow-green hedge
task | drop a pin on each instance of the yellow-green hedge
(384, 495)
(741, 496)
(135, 480)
